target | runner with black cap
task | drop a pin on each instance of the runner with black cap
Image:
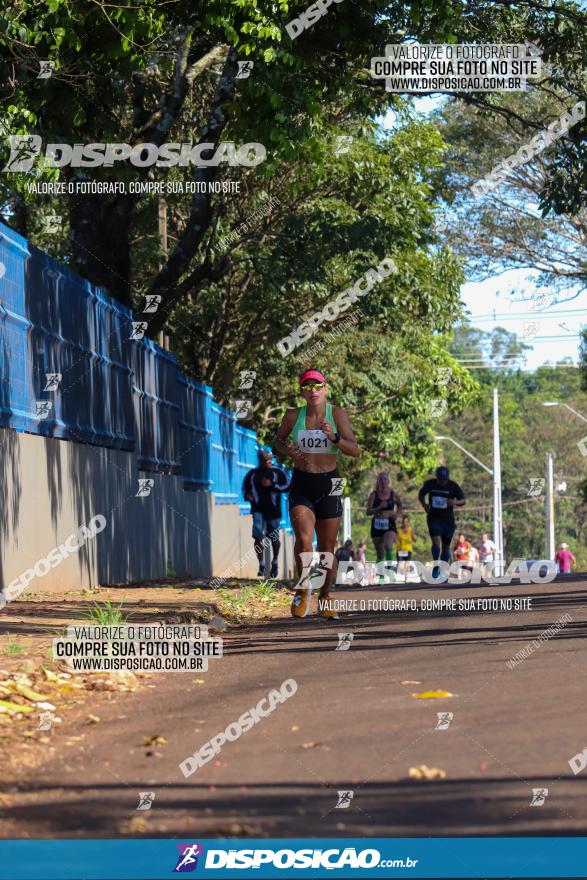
(263, 487)
(442, 495)
(312, 436)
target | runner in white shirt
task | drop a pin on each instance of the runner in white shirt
(486, 549)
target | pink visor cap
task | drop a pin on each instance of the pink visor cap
(312, 374)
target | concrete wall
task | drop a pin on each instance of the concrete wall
(49, 488)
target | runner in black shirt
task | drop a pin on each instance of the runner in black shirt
(442, 495)
(263, 486)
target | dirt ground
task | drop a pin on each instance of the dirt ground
(32, 683)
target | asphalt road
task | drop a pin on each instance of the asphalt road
(352, 725)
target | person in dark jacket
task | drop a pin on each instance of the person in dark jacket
(263, 486)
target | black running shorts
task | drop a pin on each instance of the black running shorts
(314, 491)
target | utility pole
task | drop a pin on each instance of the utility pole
(162, 220)
(346, 518)
(549, 506)
(497, 511)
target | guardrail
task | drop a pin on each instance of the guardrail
(69, 369)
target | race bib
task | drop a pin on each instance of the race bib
(439, 502)
(313, 441)
(402, 554)
(381, 523)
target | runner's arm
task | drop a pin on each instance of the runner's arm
(422, 495)
(247, 486)
(282, 482)
(282, 446)
(397, 503)
(347, 443)
(458, 500)
(370, 509)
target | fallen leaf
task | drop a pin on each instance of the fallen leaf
(410, 681)
(432, 695)
(312, 745)
(30, 694)
(295, 727)
(6, 706)
(422, 771)
(92, 719)
(154, 740)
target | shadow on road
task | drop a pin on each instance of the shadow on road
(465, 807)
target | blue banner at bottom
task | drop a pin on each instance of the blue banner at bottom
(467, 857)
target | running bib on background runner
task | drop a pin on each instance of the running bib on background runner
(381, 523)
(402, 554)
(439, 502)
(313, 441)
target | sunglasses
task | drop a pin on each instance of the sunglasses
(313, 386)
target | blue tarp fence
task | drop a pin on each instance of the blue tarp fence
(69, 369)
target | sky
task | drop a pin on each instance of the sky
(552, 330)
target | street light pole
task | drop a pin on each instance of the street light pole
(550, 545)
(549, 506)
(466, 451)
(566, 405)
(497, 512)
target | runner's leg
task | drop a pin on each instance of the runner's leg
(303, 521)
(379, 547)
(326, 532)
(388, 543)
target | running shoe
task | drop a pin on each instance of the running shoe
(261, 572)
(273, 573)
(329, 614)
(300, 607)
